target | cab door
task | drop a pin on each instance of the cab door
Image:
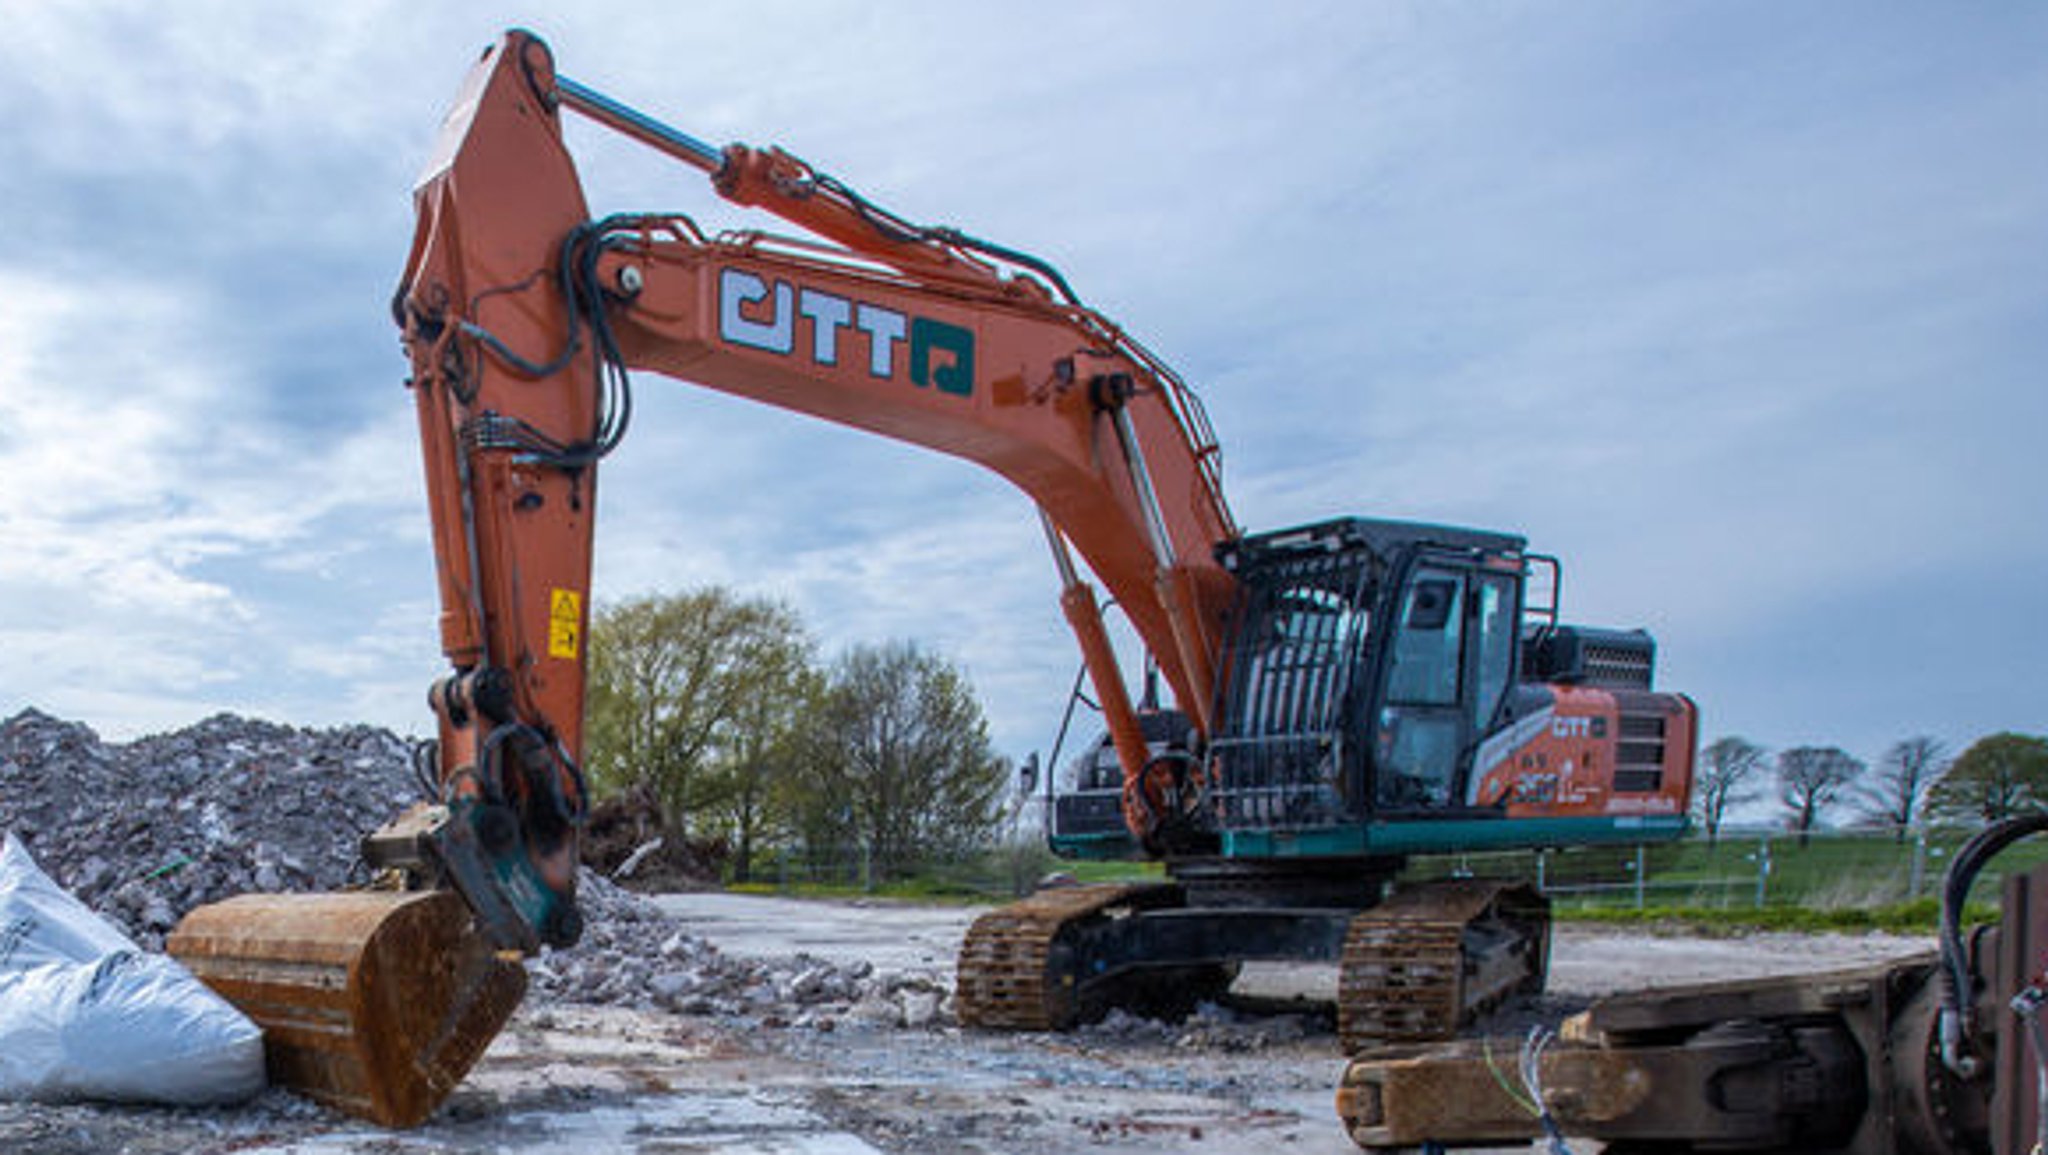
(1449, 663)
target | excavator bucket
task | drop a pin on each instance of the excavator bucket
(374, 1002)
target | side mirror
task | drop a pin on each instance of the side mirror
(1027, 774)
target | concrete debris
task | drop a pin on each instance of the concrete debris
(144, 831)
(638, 856)
(636, 957)
(1212, 1027)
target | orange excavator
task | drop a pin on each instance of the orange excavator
(1344, 694)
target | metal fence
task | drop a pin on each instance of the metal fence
(997, 873)
(1747, 870)
(1824, 870)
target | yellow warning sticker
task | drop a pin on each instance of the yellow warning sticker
(565, 624)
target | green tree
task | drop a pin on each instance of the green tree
(672, 677)
(1992, 780)
(897, 759)
(757, 754)
(1728, 765)
(1812, 778)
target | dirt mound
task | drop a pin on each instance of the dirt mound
(624, 841)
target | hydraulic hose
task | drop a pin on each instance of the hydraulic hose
(1958, 987)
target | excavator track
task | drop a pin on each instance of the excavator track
(1013, 973)
(1431, 958)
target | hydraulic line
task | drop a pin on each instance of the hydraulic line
(1958, 988)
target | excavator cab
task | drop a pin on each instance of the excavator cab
(1369, 659)
(1365, 660)
(1391, 688)
(1387, 688)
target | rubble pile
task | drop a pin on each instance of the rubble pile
(144, 831)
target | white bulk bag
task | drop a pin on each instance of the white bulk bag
(85, 1015)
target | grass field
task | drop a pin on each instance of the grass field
(1835, 881)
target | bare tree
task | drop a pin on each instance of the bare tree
(1730, 763)
(1904, 776)
(1811, 779)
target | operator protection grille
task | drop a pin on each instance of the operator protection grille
(1280, 753)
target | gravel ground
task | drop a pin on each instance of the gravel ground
(572, 1077)
(708, 1022)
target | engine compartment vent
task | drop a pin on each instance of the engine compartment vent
(1589, 656)
(1639, 753)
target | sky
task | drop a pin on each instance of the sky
(1739, 308)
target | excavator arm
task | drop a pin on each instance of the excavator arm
(522, 318)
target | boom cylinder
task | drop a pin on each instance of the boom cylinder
(630, 121)
(1077, 602)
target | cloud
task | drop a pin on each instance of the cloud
(147, 498)
(1736, 308)
(92, 456)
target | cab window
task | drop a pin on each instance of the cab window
(1495, 626)
(1429, 641)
